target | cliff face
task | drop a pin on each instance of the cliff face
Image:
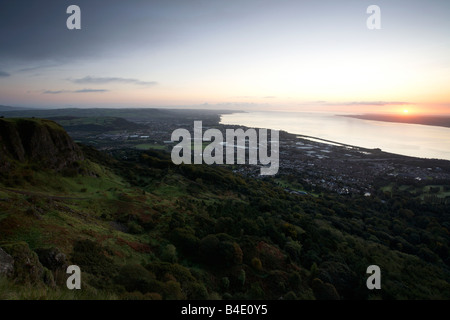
(38, 141)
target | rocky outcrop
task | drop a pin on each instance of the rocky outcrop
(38, 141)
(52, 258)
(6, 264)
(27, 268)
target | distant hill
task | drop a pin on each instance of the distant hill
(8, 108)
(438, 121)
(131, 114)
(95, 124)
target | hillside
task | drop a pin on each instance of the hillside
(95, 124)
(140, 227)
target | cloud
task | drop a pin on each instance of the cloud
(377, 103)
(74, 91)
(40, 67)
(4, 74)
(106, 80)
(363, 103)
(55, 92)
(253, 97)
(90, 90)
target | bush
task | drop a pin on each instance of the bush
(256, 264)
(324, 291)
(225, 283)
(134, 227)
(255, 292)
(165, 269)
(295, 281)
(220, 253)
(185, 240)
(293, 249)
(134, 277)
(196, 291)
(208, 249)
(241, 277)
(89, 256)
(172, 291)
(169, 254)
(290, 296)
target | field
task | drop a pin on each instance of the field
(147, 146)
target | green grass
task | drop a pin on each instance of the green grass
(40, 122)
(12, 291)
(293, 186)
(33, 236)
(147, 146)
(203, 146)
(417, 191)
(103, 121)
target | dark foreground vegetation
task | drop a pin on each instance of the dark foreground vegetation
(140, 227)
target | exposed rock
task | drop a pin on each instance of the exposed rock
(39, 141)
(27, 268)
(52, 258)
(6, 264)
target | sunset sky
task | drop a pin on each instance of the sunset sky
(245, 54)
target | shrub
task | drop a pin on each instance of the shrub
(293, 249)
(185, 240)
(169, 254)
(163, 269)
(256, 264)
(290, 296)
(208, 248)
(89, 256)
(196, 291)
(241, 277)
(225, 283)
(324, 291)
(134, 277)
(295, 280)
(172, 291)
(224, 253)
(134, 227)
(255, 292)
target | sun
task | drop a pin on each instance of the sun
(405, 111)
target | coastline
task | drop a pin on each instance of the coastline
(421, 142)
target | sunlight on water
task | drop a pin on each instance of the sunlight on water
(406, 139)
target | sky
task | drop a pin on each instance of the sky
(239, 54)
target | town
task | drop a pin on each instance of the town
(317, 164)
